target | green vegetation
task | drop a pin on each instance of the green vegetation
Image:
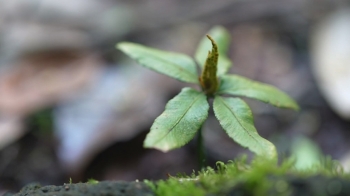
(92, 181)
(185, 113)
(261, 177)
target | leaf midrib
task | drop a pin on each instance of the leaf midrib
(178, 121)
(238, 120)
(180, 68)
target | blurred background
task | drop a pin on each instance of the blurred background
(72, 106)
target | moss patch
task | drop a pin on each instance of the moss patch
(260, 177)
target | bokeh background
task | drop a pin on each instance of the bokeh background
(72, 106)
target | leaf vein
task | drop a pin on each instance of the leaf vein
(178, 121)
(238, 120)
(174, 65)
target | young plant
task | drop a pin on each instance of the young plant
(186, 112)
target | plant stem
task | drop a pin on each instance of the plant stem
(200, 149)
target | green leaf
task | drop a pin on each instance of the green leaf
(241, 86)
(236, 119)
(180, 121)
(306, 153)
(178, 66)
(222, 39)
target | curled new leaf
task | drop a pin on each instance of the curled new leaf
(241, 86)
(178, 66)
(222, 38)
(236, 119)
(208, 79)
(180, 121)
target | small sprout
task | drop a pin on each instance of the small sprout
(185, 114)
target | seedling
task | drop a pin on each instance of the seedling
(186, 112)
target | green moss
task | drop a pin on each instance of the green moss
(259, 177)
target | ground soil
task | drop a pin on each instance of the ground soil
(105, 188)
